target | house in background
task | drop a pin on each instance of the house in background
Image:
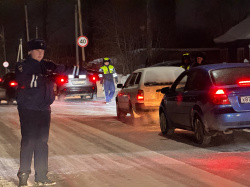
(235, 43)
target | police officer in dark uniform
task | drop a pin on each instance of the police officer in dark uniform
(34, 96)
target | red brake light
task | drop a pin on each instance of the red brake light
(140, 95)
(219, 97)
(244, 83)
(93, 78)
(61, 80)
(13, 83)
(1, 79)
(219, 92)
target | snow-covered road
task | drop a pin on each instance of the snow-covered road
(89, 147)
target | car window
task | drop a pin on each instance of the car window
(132, 80)
(138, 78)
(230, 76)
(179, 84)
(127, 81)
(196, 81)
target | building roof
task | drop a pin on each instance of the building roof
(240, 31)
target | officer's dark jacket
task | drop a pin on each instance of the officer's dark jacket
(35, 87)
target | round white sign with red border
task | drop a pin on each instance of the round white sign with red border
(5, 64)
(82, 41)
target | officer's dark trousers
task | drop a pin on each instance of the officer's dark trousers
(109, 88)
(35, 133)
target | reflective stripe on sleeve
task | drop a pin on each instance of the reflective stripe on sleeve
(32, 81)
(35, 81)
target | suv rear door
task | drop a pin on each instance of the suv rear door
(129, 91)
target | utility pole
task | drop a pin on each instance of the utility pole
(27, 23)
(149, 36)
(36, 32)
(4, 49)
(81, 32)
(20, 51)
(76, 36)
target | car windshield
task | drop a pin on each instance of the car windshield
(230, 76)
(161, 75)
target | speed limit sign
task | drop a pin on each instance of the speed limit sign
(82, 41)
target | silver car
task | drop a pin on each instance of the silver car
(76, 85)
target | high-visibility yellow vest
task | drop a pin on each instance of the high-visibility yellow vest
(184, 67)
(107, 70)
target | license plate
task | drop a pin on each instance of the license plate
(245, 99)
(78, 82)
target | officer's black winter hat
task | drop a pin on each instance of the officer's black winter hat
(201, 54)
(106, 60)
(36, 44)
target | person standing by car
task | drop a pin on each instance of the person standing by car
(186, 62)
(107, 79)
(199, 60)
(34, 96)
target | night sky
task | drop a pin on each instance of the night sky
(117, 26)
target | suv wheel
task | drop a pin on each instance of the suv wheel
(199, 132)
(164, 124)
(120, 113)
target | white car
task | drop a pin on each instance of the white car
(139, 95)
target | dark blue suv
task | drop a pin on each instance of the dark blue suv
(209, 100)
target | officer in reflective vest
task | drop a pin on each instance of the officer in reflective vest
(186, 62)
(107, 79)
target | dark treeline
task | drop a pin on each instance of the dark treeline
(120, 28)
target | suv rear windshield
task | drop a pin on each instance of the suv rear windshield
(230, 76)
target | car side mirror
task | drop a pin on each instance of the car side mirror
(119, 85)
(165, 90)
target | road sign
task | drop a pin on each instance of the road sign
(5, 64)
(82, 41)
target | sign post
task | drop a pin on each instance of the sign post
(6, 64)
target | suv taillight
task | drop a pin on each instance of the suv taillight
(61, 80)
(219, 97)
(1, 79)
(13, 83)
(93, 78)
(140, 95)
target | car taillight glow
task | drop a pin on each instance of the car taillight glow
(244, 83)
(61, 80)
(219, 97)
(140, 95)
(93, 78)
(13, 84)
(1, 79)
